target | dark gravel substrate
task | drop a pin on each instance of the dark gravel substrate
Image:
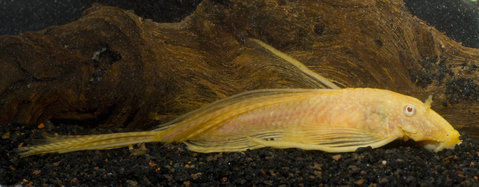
(400, 163)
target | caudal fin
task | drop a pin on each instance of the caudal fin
(65, 144)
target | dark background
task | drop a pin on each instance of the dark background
(18, 16)
(457, 18)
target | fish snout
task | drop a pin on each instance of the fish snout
(449, 142)
(443, 137)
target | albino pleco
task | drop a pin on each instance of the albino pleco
(331, 120)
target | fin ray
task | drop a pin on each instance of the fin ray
(329, 140)
(321, 81)
(230, 144)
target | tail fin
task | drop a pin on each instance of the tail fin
(65, 144)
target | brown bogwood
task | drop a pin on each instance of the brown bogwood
(113, 68)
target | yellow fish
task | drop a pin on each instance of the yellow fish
(331, 120)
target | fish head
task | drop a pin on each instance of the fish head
(417, 121)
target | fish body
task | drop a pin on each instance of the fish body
(331, 120)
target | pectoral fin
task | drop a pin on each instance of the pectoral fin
(328, 140)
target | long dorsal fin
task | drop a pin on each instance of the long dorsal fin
(323, 82)
(319, 82)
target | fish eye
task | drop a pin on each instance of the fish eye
(409, 110)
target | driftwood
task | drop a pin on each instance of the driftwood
(113, 68)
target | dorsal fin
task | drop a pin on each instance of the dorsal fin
(324, 82)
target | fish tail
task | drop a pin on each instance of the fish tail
(64, 144)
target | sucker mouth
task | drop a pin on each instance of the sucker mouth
(431, 145)
(436, 146)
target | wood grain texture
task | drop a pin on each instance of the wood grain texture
(113, 68)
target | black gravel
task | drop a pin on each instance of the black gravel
(400, 163)
(462, 89)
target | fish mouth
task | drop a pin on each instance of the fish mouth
(436, 146)
(430, 145)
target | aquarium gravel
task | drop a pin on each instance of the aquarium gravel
(399, 163)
